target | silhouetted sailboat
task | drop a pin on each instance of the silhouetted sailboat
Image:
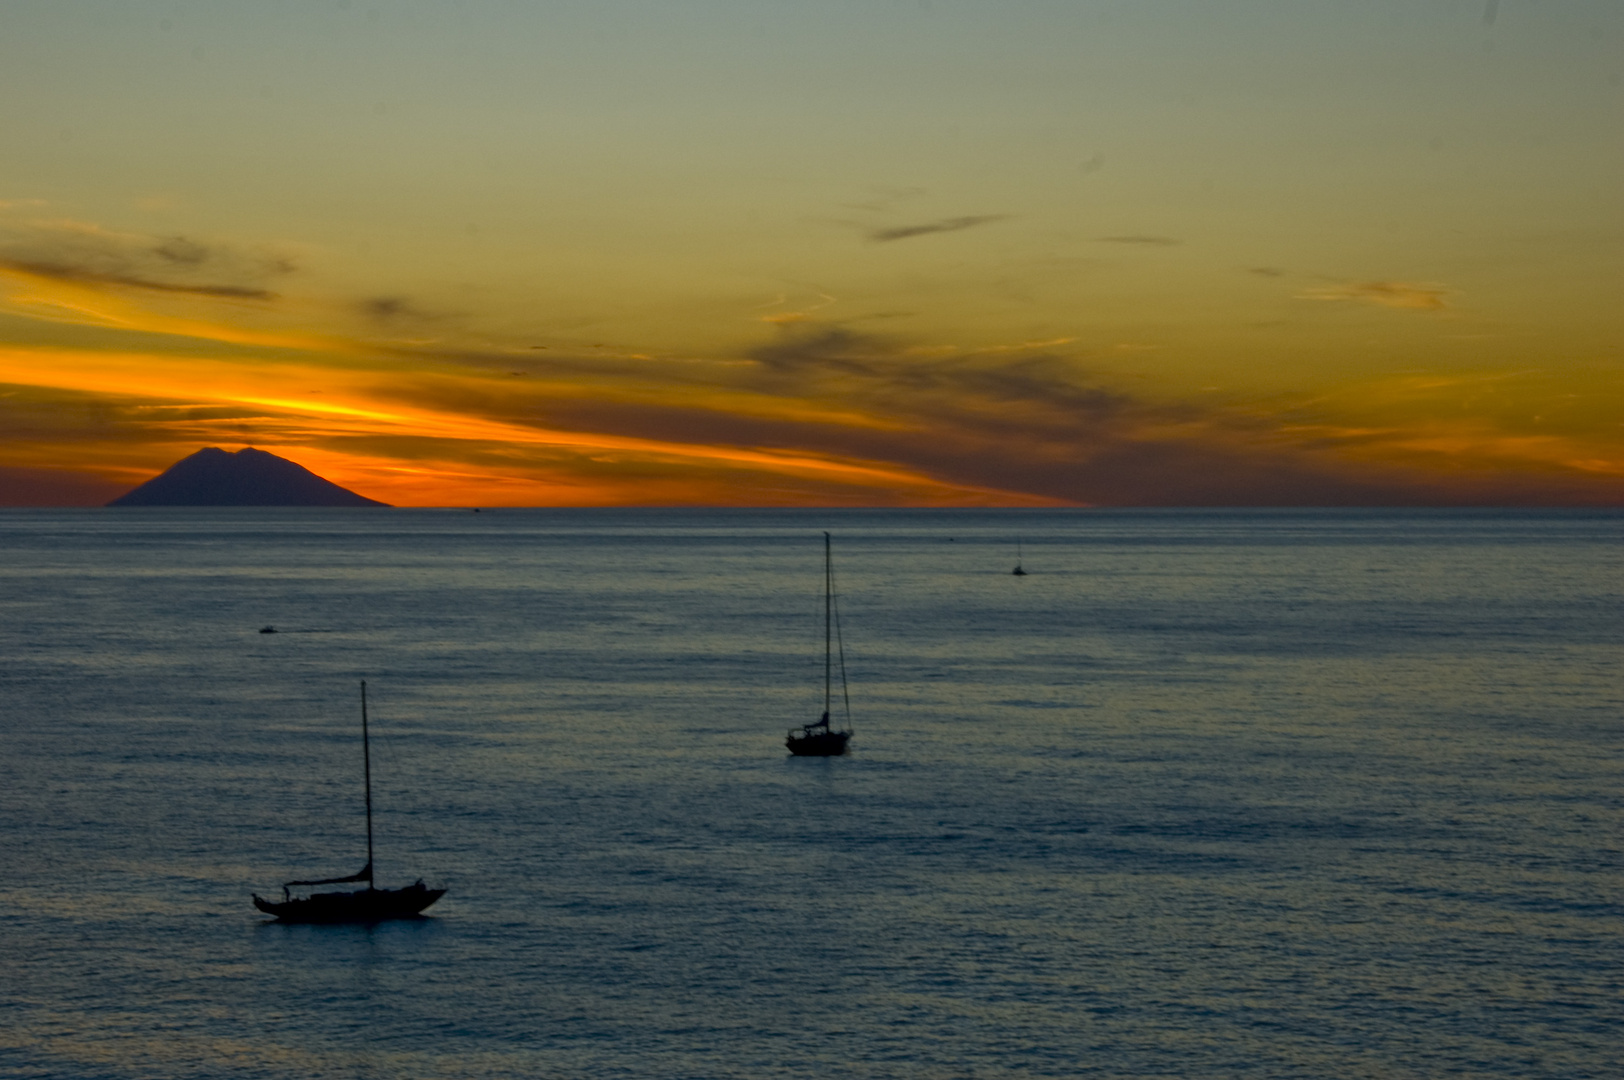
(1018, 572)
(819, 739)
(370, 904)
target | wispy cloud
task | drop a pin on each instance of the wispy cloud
(84, 275)
(800, 314)
(945, 225)
(1414, 296)
(1011, 425)
(85, 254)
(398, 311)
(1144, 240)
(817, 415)
(1038, 423)
(816, 412)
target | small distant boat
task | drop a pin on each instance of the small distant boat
(367, 905)
(267, 629)
(819, 739)
(1018, 572)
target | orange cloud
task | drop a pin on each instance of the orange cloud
(78, 251)
(820, 413)
(1415, 296)
(185, 395)
(101, 303)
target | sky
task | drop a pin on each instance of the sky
(889, 253)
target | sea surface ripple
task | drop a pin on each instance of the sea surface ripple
(1217, 794)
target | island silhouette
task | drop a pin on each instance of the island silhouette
(249, 477)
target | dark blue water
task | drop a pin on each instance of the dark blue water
(1205, 794)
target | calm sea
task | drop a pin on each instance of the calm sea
(1219, 794)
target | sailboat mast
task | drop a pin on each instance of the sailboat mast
(366, 757)
(828, 603)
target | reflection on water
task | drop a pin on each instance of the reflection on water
(1289, 794)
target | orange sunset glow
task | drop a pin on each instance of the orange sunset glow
(924, 257)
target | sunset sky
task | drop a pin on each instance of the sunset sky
(897, 252)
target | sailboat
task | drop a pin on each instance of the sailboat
(819, 739)
(1018, 572)
(367, 905)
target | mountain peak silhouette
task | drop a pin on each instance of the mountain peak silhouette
(249, 477)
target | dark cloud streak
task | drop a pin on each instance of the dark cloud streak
(60, 272)
(1039, 424)
(83, 254)
(946, 225)
(1036, 424)
(389, 309)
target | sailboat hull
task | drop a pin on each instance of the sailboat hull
(361, 906)
(817, 743)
